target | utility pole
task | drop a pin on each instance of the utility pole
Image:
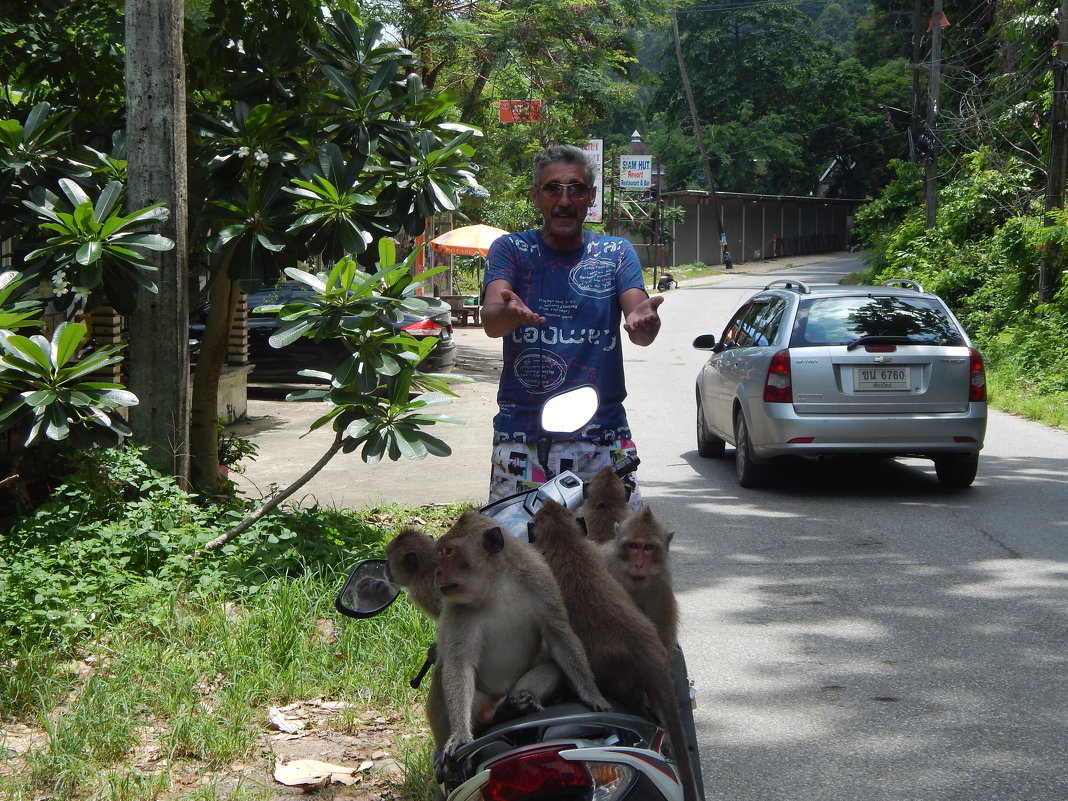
(1058, 157)
(934, 90)
(726, 256)
(156, 138)
(914, 107)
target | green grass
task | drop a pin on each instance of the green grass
(144, 673)
(196, 684)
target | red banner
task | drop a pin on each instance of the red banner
(520, 110)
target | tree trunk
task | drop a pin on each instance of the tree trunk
(204, 429)
(158, 357)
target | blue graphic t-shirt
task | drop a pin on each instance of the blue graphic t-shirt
(577, 292)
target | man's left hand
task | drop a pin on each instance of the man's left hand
(642, 324)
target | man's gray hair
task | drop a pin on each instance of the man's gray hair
(565, 154)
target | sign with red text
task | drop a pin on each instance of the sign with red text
(520, 110)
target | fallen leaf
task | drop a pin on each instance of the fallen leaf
(311, 773)
(281, 722)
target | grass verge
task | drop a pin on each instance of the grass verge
(163, 684)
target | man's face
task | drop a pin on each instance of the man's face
(562, 210)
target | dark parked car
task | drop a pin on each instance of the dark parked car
(282, 365)
(874, 370)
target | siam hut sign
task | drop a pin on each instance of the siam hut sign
(520, 110)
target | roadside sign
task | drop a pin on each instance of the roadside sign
(635, 172)
(595, 148)
(519, 110)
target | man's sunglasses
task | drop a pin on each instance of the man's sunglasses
(555, 189)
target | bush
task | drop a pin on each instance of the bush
(118, 537)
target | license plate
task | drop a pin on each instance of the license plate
(876, 379)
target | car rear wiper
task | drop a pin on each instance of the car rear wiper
(872, 339)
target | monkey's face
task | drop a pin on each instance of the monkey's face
(643, 559)
(459, 580)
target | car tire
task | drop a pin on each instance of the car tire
(748, 471)
(708, 444)
(956, 471)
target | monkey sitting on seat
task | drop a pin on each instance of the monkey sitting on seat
(605, 505)
(628, 659)
(502, 615)
(638, 558)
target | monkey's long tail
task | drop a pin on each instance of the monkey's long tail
(665, 700)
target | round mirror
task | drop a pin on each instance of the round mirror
(367, 591)
(569, 411)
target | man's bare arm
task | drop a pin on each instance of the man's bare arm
(503, 311)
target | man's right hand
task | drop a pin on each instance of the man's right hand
(504, 313)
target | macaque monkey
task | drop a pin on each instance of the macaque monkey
(638, 558)
(502, 616)
(605, 505)
(412, 564)
(628, 659)
(413, 560)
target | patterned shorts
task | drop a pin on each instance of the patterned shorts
(515, 466)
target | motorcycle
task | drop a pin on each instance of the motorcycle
(565, 751)
(666, 281)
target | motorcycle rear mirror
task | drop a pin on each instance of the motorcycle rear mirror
(562, 415)
(367, 591)
(569, 411)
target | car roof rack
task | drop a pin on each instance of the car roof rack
(790, 283)
(905, 282)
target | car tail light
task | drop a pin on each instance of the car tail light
(423, 328)
(544, 773)
(778, 386)
(977, 387)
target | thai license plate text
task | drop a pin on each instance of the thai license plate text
(876, 379)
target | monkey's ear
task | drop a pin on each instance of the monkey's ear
(530, 531)
(667, 539)
(493, 540)
(582, 524)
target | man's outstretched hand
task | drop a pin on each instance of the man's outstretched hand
(507, 314)
(643, 323)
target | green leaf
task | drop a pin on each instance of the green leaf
(65, 341)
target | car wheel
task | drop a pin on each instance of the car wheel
(750, 474)
(957, 471)
(708, 444)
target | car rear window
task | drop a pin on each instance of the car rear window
(841, 320)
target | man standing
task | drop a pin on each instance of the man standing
(557, 295)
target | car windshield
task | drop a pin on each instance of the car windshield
(842, 320)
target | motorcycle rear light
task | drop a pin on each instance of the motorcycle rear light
(543, 773)
(778, 385)
(977, 387)
(422, 328)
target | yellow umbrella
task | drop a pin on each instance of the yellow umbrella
(470, 240)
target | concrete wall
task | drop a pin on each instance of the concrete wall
(757, 226)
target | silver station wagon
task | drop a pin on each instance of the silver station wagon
(824, 371)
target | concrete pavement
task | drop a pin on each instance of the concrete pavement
(280, 430)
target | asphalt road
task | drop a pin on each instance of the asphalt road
(857, 632)
(854, 632)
